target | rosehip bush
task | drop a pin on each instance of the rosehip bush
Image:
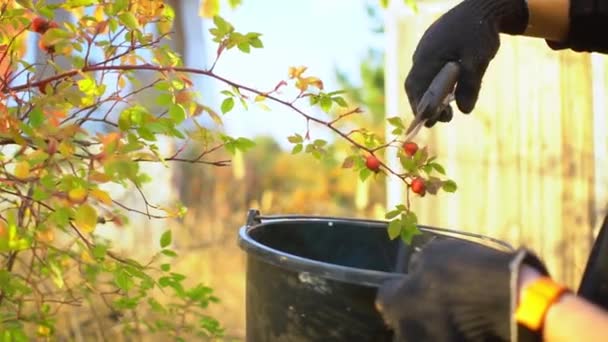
(56, 163)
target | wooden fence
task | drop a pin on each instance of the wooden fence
(531, 160)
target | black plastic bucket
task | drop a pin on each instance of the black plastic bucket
(315, 278)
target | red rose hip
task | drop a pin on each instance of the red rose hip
(410, 148)
(372, 163)
(418, 186)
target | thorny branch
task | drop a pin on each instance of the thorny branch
(150, 67)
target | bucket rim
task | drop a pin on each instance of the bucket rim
(347, 274)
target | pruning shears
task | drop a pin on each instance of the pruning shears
(438, 96)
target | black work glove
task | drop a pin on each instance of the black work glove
(455, 291)
(468, 34)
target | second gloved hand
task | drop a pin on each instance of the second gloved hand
(468, 34)
(455, 290)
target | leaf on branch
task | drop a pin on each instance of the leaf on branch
(77, 195)
(449, 186)
(177, 113)
(394, 229)
(295, 139)
(438, 168)
(348, 162)
(214, 116)
(396, 122)
(102, 196)
(209, 8)
(227, 105)
(340, 101)
(85, 218)
(22, 170)
(297, 149)
(325, 103)
(165, 239)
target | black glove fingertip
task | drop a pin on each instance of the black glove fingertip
(446, 115)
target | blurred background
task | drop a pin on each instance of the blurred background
(530, 161)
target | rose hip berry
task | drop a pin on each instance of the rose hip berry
(40, 25)
(410, 148)
(372, 163)
(418, 186)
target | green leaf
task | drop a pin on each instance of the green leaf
(297, 149)
(340, 101)
(177, 113)
(80, 3)
(165, 239)
(408, 232)
(256, 43)
(61, 216)
(326, 104)
(438, 168)
(165, 267)
(409, 165)
(55, 36)
(295, 139)
(164, 99)
(129, 20)
(36, 117)
(394, 229)
(155, 305)
(244, 47)
(244, 144)
(169, 253)
(364, 174)
(123, 279)
(40, 194)
(392, 214)
(227, 105)
(99, 252)
(56, 274)
(319, 142)
(449, 186)
(396, 122)
(234, 3)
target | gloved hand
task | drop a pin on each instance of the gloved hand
(468, 34)
(455, 291)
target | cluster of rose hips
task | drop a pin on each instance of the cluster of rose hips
(409, 148)
(40, 25)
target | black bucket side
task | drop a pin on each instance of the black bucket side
(316, 279)
(284, 305)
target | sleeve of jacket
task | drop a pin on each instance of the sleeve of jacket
(588, 27)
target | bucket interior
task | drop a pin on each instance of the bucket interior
(351, 244)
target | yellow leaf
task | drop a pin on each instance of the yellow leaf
(296, 72)
(45, 235)
(43, 330)
(121, 82)
(22, 170)
(314, 81)
(66, 149)
(260, 98)
(101, 196)
(209, 8)
(86, 218)
(86, 257)
(99, 13)
(77, 195)
(99, 177)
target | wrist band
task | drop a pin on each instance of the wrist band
(536, 299)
